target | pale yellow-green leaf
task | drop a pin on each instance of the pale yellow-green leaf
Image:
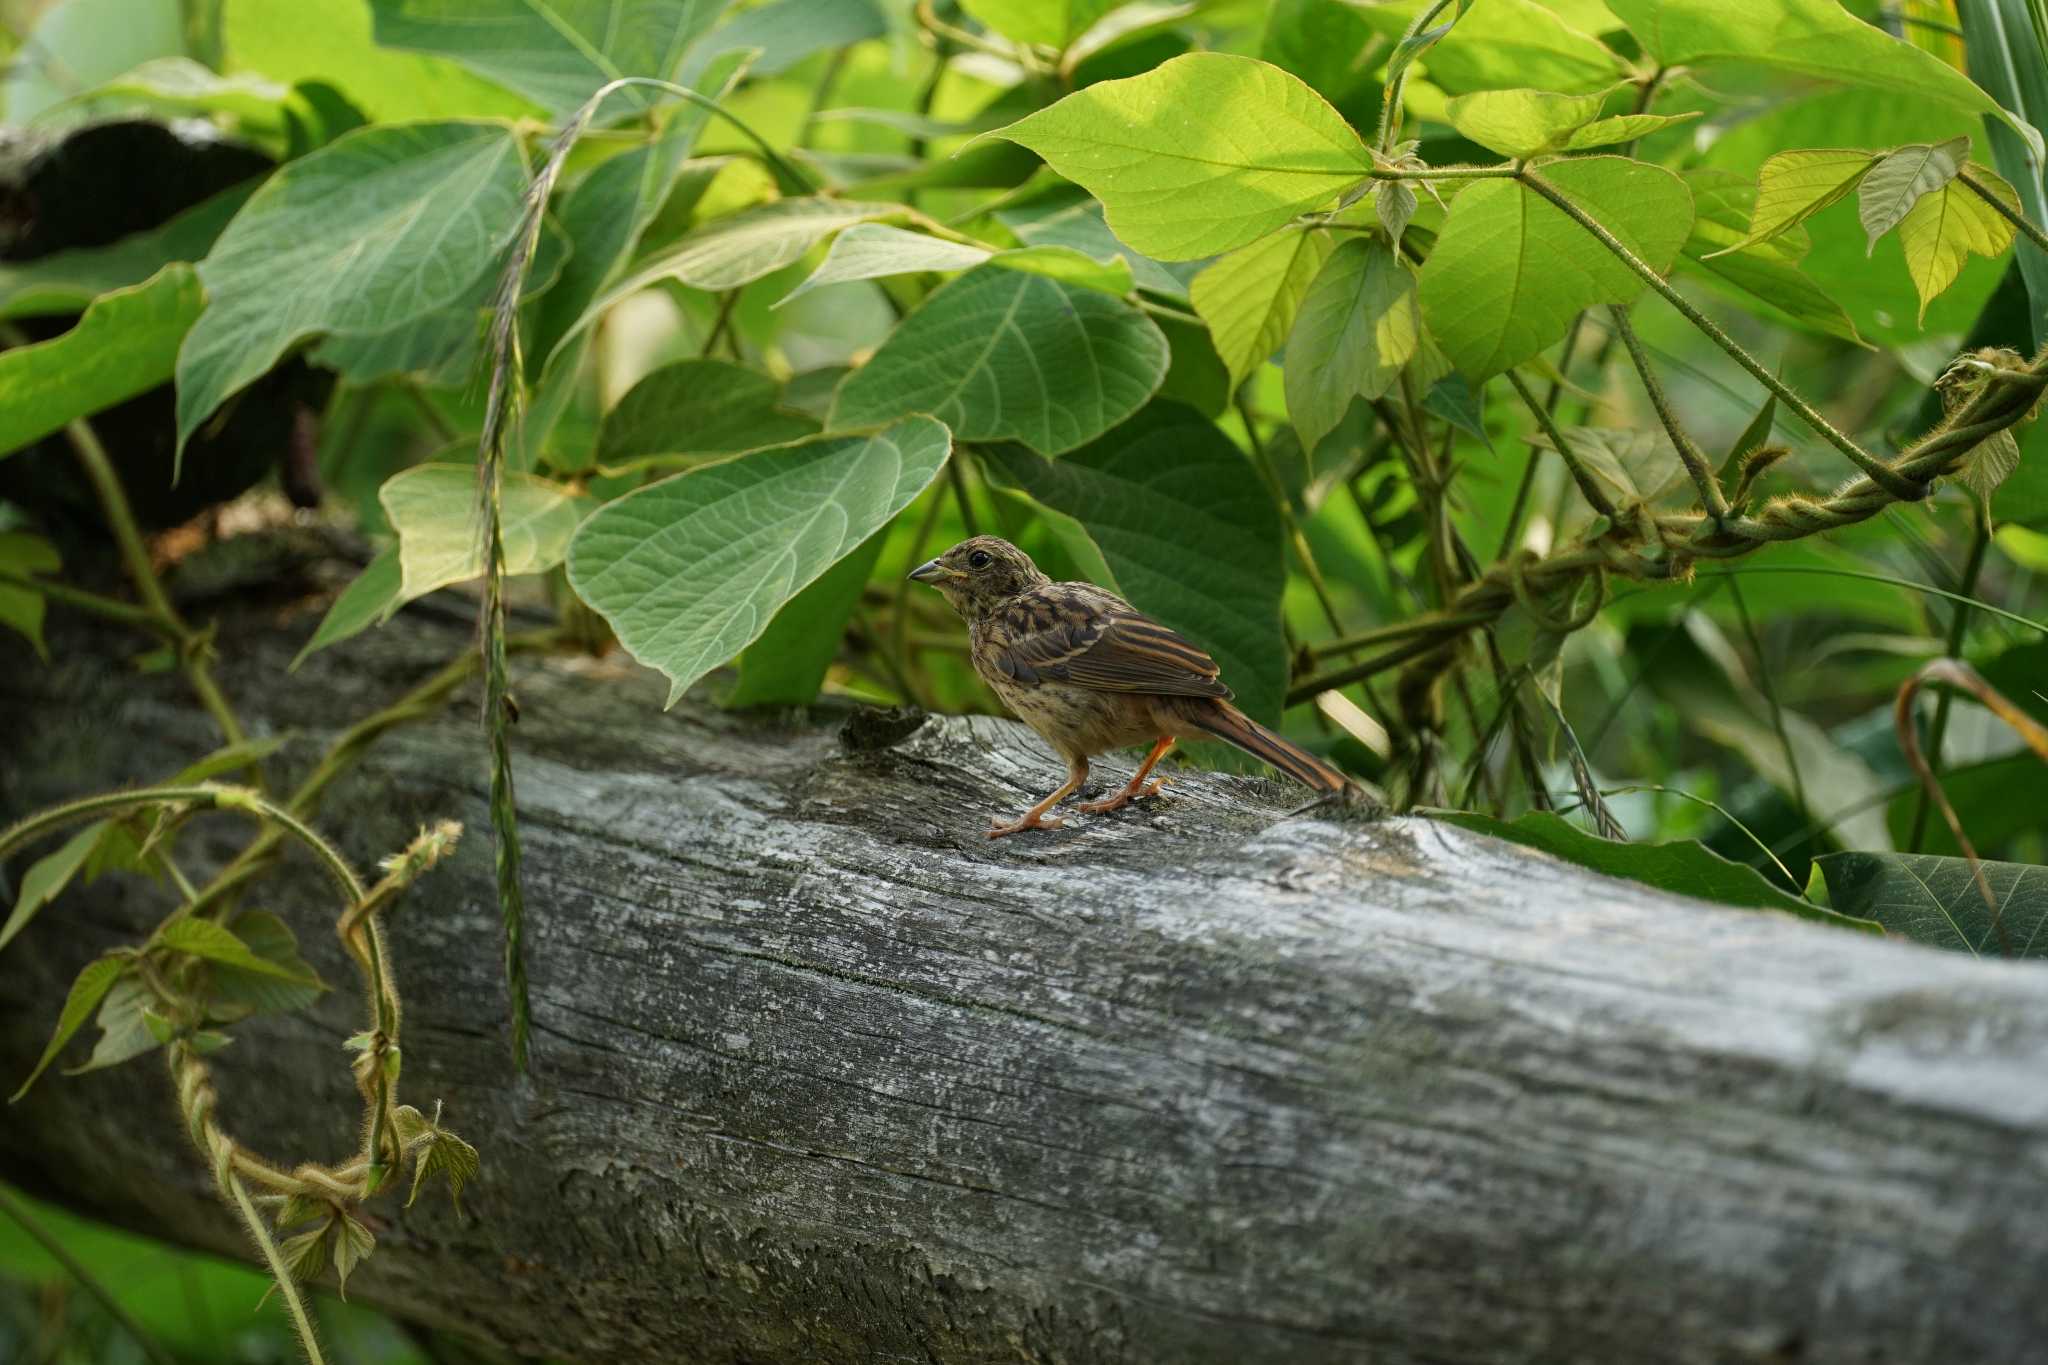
(1622, 128)
(1793, 186)
(1250, 297)
(1944, 228)
(433, 507)
(1521, 123)
(1358, 326)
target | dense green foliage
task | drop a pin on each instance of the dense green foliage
(1477, 379)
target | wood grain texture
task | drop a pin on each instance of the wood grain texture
(824, 1075)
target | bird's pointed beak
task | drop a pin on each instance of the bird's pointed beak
(931, 571)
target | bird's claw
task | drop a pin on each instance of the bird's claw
(1124, 797)
(1027, 822)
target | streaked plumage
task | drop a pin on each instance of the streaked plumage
(1090, 672)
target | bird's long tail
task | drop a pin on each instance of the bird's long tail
(1235, 728)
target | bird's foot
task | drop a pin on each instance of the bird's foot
(1124, 797)
(1029, 820)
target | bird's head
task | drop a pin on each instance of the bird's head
(979, 573)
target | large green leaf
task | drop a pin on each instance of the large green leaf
(1004, 354)
(1250, 297)
(1359, 325)
(1511, 270)
(696, 410)
(126, 343)
(433, 507)
(691, 570)
(554, 52)
(1937, 901)
(66, 281)
(330, 42)
(1812, 39)
(382, 226)
(787, 665)
(1147, 492)
(1202, 154)
(1049, 23)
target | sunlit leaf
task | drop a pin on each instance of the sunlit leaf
(1358, 326)
(1944, 228)
(1521, 123)
(1510, 270)
(1202, 154)
(1250, 297)
(433, 507)
(1793, 186)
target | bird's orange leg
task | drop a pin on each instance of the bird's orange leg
(1077, 773)
(1136, 787)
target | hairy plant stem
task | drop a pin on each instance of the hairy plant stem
(1958, 622)
(1390, 104)
(1689, 454)
(1512, 533)
(2005, 210)
(417, 704)
(1873, 468)
(1595, 495)
(192, 647)
(294, 1302)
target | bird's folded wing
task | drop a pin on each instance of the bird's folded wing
(1112, 648)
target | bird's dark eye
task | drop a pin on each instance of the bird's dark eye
(980, 559)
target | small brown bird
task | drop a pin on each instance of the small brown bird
(1090, 673)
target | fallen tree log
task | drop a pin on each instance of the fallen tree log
(821, 1074)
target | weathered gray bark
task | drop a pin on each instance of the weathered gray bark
(823, 1075)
